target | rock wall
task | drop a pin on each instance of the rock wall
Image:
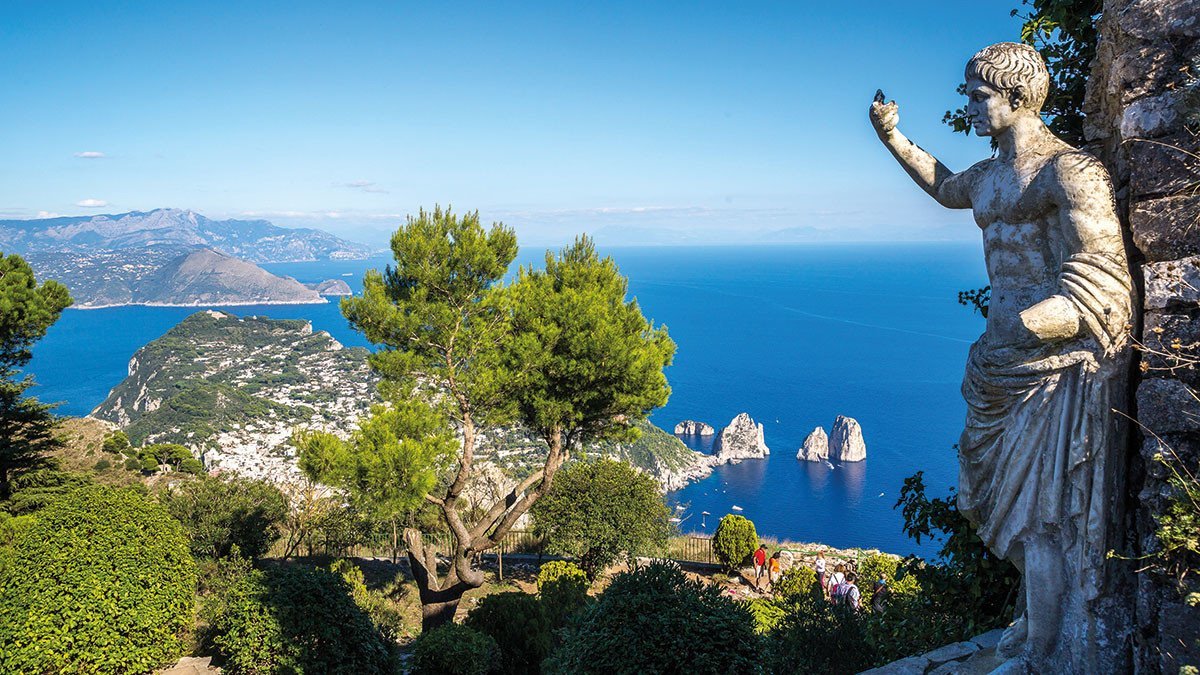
(1144, 122)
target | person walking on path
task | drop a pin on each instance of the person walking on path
(774, 569)
(837, 579)
(879, 595)
(760, 562)
(821, 580)
(849, 593)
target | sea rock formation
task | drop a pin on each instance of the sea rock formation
(742, 439)
(816, 447)
(693, 428)
(846, 443)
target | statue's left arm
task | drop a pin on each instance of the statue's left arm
(1094, 281)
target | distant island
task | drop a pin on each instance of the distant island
(233, 388)
(174, 257)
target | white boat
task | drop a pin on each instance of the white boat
(735, 507)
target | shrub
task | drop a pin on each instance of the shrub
(563, 588)
(102, 465)
(795, 583)
(818, 637)
(292, 619)
(876, 566)
(383, 613)
(767, 614)
(734, 541)
(519, 625)
(656, 620)
(598, 510)
(220, 513)
(100, 580)
(116, 443)
(454, 649)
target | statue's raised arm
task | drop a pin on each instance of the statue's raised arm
(930, 174)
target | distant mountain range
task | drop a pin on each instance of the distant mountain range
(255, 241)
(173, 257)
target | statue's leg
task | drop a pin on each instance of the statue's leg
(1045, 591)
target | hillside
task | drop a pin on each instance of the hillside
(174, 229)
(233, 389)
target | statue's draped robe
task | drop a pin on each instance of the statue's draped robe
(1040, 428)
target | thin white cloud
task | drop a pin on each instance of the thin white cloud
(364, 186)
(47, 214)
(91, 203)
(90, 154)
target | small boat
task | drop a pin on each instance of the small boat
(735, 507)
(881, 494)
(830, 464)
(676, 520)
(347, 274)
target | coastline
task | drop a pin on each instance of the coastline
(323, 301)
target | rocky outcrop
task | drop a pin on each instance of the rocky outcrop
(742, 439)
(693, 428)
(816, 447)
(846, 443)
(331, 287)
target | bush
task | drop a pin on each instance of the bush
(796, 583)
(767, 614)
(453, 649)
(818, 637)
(519, 625)
(656, 620)
(116, 443)
(383, 613)
(563, 588)
(734, 541)
(291, 619)
(100, 580)
(220, 513)
(598, 510)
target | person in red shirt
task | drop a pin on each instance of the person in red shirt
(760, 563)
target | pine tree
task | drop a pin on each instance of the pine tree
(27, 310)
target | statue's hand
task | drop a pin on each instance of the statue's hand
(884, 116)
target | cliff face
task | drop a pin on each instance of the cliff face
(742, 439)
(1143, 107)
(815, 448)
(846, 442)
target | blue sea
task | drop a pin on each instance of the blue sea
(793, 335)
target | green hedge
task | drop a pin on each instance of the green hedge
(100, 581)
(734, 541)
(454, 649)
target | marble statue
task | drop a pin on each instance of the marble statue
(1038, 457)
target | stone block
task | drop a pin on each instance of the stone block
(1168, 406)
(1165, 166)
(951, 652)
(1166, 228)
(1156, 20)
(913, 665)
(988, 640)
(1172, 283)
(1151, 116)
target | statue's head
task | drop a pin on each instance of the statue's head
(1005, 81)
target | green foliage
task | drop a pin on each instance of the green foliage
(33, 490)
(393, 460)
(199, 409)
(221, 513)
(877, 566)
(99, 581)
(1065, 33)
(433, 312)
(979, 299)
(767, 614)
(454, 649)
(734, 541)
(563, 588)
(382, 612)
(818, 637)
(597, 510)
(519, 625)
(27, 310)
(796, 583)
(116, 443)
(171, 455)
(656, 620)
(291, 619)
(583, 362)
(1179, 527)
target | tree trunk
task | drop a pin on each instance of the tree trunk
(437, 614)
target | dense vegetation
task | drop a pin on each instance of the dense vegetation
(100, 580)
(734, 541)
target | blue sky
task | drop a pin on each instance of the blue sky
(641, 122)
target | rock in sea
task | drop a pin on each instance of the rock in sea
(742, 439)
(846, 443)
(693, 428)
(816, 447)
